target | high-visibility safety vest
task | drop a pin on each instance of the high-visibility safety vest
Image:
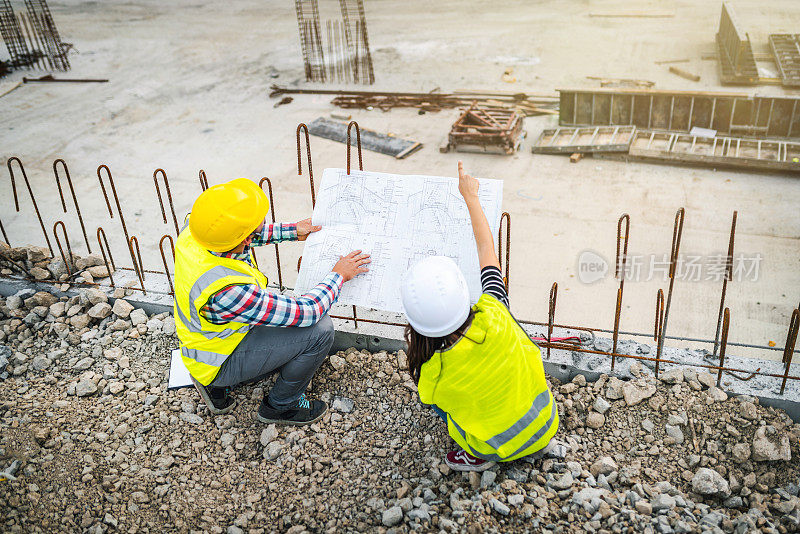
(492, 386)
(198, 275)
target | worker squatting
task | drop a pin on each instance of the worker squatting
(474, 365)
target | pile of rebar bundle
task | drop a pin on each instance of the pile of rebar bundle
(524, 103)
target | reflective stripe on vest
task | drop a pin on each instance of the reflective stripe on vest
(200, 274)
(492, 385)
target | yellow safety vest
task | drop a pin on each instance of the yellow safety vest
(492, 385)
(199, 274)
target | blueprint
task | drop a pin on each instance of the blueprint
(398, 220)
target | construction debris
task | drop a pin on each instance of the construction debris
(32, 38)
(486, 129)
(346, 43)
(377, 142)
(591, 139)
(786, 49)
(732, 114)
(683, 74)
(528, 105)
(622, 82)
(51, 78)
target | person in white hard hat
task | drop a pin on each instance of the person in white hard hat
(475, 365)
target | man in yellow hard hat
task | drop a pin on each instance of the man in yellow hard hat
(233, 329)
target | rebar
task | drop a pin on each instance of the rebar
(272, 213)
(103, 243)
(67, 262)
(169, 198)
(360, 168)
(677, 231)
(659, 320)
(303, 127)
(119, 209)
(358, 140)
(5, 236)
(164, 259)
(133, 245)
(203, 180)
(30, 192)
(507, 217)
(726, 319)
(551, 315)
(74, 198)
(728, 276)
(791, 340)
(620, 272)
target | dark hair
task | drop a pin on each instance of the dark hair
(421, 348)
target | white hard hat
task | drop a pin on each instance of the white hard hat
(435, 296)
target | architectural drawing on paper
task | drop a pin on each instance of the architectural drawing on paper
(398, 220)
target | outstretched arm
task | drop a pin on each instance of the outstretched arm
(468, 187)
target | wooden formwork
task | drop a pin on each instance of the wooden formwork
(486, 129)
(723, 151)
(727, 113)
(786, 49)
(592, 139)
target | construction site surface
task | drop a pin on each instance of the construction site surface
(184, 94)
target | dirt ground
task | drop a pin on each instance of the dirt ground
(188, 90)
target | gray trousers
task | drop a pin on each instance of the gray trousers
(296, 351)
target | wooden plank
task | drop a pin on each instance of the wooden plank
(684, 74)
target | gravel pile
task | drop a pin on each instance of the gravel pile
(91, 440)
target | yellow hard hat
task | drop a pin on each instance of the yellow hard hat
(225, 214)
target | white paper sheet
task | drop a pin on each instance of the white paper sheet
(178, 373)
(398, 219)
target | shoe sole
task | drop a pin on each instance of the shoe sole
(203, 395)
(464, 467)
(290, 422)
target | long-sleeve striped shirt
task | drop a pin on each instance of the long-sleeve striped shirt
(253, 305)
(492, 283)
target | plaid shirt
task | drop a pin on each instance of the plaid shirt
(252, 305)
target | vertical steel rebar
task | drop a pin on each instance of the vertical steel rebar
(507, 217)
(169, 198)
(103, 243)
(74, 198)
(5, 236)
(119, 209)
(137, 267)
(272, 213)
(358, 141)
(728, 276)
(67, 262)
(30, 192)
(726, 319)
(659, 321)
(360, 168)
(791, 340)
(551, 314)
(203, 180)
(677, 232)
(303, 127)
(620, 272)
(164, 259)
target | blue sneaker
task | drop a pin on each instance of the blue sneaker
(303, 412)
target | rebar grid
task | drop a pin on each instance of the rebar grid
(662, 305)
